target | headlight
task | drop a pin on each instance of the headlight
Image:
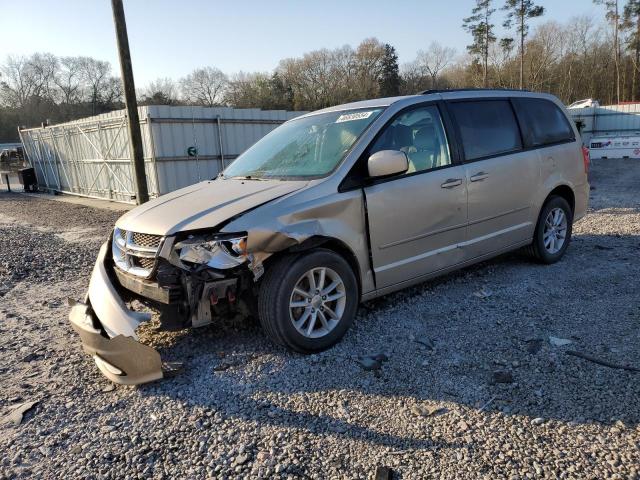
(216, 251)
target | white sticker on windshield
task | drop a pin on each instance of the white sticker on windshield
(348, 117)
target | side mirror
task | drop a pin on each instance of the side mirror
(387, 162)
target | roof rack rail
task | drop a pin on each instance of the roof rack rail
(445, 90)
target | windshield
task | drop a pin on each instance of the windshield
(309, 147)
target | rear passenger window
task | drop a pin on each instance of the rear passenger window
(487, 127)
(542, 122)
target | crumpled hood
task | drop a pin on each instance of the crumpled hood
(203, 205)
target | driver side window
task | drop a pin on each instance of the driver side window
(420, 134)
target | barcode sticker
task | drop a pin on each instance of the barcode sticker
(348, 117)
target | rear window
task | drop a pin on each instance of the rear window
(542, 122)
(487, 127)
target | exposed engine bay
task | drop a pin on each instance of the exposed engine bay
(190, 279)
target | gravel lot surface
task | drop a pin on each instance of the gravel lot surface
(472, 385)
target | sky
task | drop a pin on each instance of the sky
(171, 38)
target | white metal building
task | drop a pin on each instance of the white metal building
(607, 121)
(182, 145)
(610, 131)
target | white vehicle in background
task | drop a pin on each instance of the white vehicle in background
(586, 103)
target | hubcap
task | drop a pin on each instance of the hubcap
(555, 230)
(317, 302)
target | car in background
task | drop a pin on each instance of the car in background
(586, 103)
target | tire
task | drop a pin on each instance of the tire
(541, 249)
(279, 306)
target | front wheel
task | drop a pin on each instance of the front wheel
(307, 301)
(553, 231)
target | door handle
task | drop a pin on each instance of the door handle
(478, 177)
(451, 183)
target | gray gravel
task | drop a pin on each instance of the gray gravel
(455, 378)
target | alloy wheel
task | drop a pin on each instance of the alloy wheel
(555, 231)
(317, 302)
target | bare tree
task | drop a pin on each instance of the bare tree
(68, 80)
(501, 56)
(25, 79)
(17, 81)
(545, 50)
(368, 58)
(112, 93)
(204, 86)
(613, 16)
(162, 91)
(96, 74)
(44, 67)
(434, 60)
(259, 89)
(323, 77)
(413, 79)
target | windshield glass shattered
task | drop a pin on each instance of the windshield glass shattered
(309, 147)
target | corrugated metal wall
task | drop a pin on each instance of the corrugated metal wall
(182, 145)
(219, 135)
(610, 120)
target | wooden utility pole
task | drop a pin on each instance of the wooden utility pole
(135, 137)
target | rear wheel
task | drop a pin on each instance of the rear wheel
(308, 301)
(553, 231)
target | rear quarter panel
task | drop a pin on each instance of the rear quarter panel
(563, 165)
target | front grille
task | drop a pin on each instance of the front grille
(135, 252)
(146, 263)
(146, 240)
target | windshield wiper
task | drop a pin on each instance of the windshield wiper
(244, 177)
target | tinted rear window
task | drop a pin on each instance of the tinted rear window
(487, 127)
(542, 122)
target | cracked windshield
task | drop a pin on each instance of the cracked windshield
(311, 147)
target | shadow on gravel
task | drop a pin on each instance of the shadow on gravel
(446, 347)
(476, 343)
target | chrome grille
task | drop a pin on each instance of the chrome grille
(146, 240)
(135, 252)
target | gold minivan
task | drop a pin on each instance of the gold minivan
(334, 208)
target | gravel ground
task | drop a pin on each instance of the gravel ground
(472, 385)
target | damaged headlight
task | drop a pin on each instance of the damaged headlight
(221, 252)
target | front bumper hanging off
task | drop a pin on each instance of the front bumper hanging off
(107, 330)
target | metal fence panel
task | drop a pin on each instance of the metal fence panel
(216, 136)
(182, 145)
(88, 157)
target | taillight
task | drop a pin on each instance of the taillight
(585, 159)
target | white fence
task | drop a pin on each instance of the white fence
(182, 145)
(607, 121)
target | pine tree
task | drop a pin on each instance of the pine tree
(389, 81)
(631, 20)
(480, 27)
(519, 12)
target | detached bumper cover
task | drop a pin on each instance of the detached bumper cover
(119, 356)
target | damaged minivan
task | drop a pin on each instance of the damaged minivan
(334, 208)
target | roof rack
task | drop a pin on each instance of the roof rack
(446, 90)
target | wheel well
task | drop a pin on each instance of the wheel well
(565, 192)
(328, 243)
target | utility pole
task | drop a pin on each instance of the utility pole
(135, 137)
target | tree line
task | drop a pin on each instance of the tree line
(580, 58)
